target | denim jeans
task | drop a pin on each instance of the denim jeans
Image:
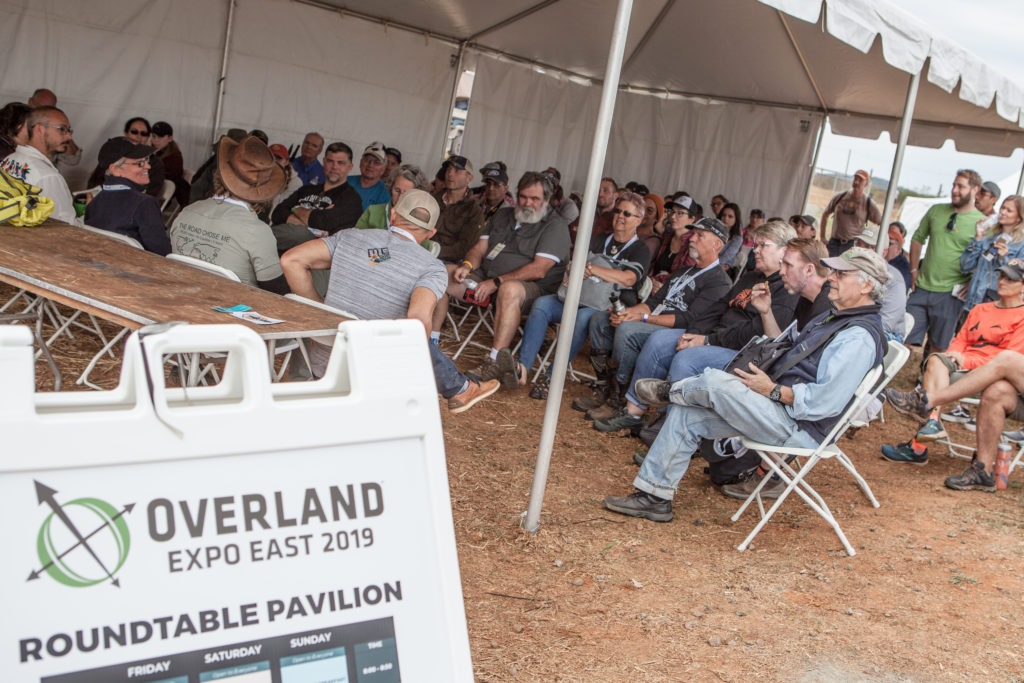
(738, 411)
(447, 377)
(624, 342)
(547, 310)
(664, 362)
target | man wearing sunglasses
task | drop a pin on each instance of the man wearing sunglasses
(48, 134)
(137, 131)
(936, 279)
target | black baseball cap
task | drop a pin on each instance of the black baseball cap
(118, 148)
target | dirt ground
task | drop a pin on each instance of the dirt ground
(935, 591)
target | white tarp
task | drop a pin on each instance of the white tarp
(666, 143)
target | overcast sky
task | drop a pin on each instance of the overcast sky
(993, 30)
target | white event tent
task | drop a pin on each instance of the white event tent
(710, 95)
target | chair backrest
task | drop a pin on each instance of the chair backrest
(433, 247)
(870, 387)
(908, 324)
(166, 194)
(203, 265)
(130, 241)
(895, 358)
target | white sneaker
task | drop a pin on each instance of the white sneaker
(959, 414)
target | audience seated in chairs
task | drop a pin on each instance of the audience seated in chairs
(225, 229)
(137, 131)
(123, 206)
(797, 409)
(990, 328)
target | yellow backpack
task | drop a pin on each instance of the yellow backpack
(20, 203)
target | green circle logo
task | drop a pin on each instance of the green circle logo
(83, 542)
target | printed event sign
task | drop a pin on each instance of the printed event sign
(332, 560)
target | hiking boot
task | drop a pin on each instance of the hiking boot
(653, 392)
(912, 403)
(960, 414)
(974, 478)
(641, 504)
(509, 370)
(597, 398)
(602, 412)
(905, 452)
(486, 371)
(932, 430)
(600, 363)
(539, 390)
(741, 491)
(621, 420)
(474, 393)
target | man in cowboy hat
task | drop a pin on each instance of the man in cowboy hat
(224, 229)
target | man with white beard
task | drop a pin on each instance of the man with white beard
(521, 255)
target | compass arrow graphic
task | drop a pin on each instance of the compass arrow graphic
(37, 572)
(47, 495)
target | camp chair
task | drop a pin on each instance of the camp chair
(166, 194)
(778, 459)
(966, 450)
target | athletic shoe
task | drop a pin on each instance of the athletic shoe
(474, 393)
(972, 425)
(913, 403)
(905, 452)
(974, 478)
(932, 430)
(509, 370)
(959, 414)
(621, 420)
(486, 371)
(741, 491)
(641, 504)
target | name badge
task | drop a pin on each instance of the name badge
(495, 250)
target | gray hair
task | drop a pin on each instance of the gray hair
(778, 232)
(877, 288)
(411, 173)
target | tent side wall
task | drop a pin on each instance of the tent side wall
(758, 155)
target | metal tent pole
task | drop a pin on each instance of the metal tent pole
(897, 162)
(457, 65)
(572, 297)
(1020, 183)
(814, 162)
(223, 71)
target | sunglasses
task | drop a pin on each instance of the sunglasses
(951, 225)
(627, 214)
(138, 132)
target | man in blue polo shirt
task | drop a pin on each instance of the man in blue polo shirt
(369, 183)
(306, 165)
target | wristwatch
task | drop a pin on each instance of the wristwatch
(644, 317)
(497, 281)
(776, 394)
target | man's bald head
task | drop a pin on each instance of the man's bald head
(43, 97)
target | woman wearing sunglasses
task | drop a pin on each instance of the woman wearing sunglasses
(620, 260)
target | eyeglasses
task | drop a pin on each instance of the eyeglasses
(138, 162)
(762, 245)
(627, 214)
(61, 128)
(139, 132)
(678, 212)
(951, 225)
(840, 273)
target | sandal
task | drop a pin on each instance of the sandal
(539, 390)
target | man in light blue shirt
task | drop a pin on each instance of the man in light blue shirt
(796, 407)
(306, 165)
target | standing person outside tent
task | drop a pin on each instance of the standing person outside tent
(852, 210)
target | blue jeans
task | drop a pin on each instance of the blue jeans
(547, 310)
(738, 411)
(654, 359)
(447, 377)
(696, 359)
(624, 342)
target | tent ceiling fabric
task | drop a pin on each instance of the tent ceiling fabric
(859, 54)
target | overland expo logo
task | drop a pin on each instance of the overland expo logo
(82, 542)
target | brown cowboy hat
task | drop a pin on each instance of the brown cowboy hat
(248, 169)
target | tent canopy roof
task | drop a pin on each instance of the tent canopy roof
(847, 58)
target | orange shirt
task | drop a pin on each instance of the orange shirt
(987, 331)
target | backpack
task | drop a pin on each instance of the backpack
(22, 204)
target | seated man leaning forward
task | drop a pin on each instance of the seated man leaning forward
(798, 410)
(1000, 382)
(520, 256)
(990, 328)
(224, 229)
(385, 274)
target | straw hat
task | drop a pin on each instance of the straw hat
(248, 169)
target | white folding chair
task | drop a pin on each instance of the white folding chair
(116, 236)
(166, 194)
(778, 458)
(204, 265)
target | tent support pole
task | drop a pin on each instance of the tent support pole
(599, 148)
(223, 70)
(1020, 183)
(814, 162)
(451, 101)
(897, 162)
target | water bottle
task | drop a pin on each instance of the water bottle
(1002, 466)
(617, 306)
(991, 252)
